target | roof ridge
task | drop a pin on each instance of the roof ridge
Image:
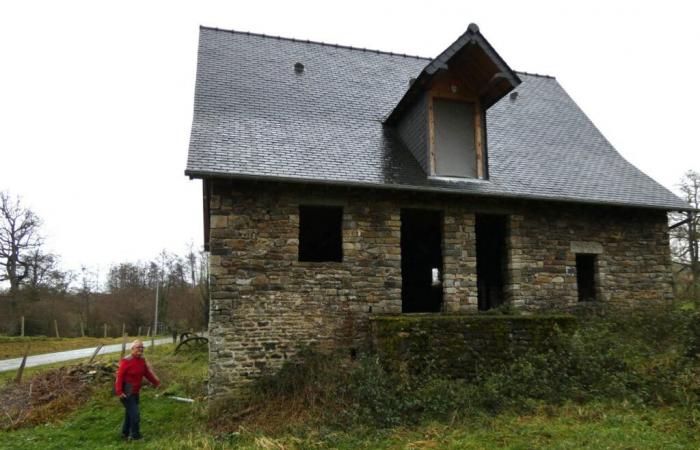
(532, 74)
(307, 41)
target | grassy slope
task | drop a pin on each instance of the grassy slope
(168, 424)
(173, 425)
(13, 347)
(97, 424)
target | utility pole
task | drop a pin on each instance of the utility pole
(155, 322)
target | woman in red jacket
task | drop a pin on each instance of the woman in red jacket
(131, 371)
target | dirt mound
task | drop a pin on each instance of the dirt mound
(50, 395)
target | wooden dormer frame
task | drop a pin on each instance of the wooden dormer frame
(441, 89)
(493, 80)
(484, 77)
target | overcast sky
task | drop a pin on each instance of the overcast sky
(96, 97)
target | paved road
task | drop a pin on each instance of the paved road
(49, 358)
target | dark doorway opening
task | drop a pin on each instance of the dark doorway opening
(585, 277)
(421, 260)
(490, 259)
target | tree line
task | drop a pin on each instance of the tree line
(685, 239)
(78, 302)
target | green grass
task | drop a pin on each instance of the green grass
(602, 426)
(168, 424)
(97, 423)
(172, 425)
(641, 392)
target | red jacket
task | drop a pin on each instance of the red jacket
(131, 371)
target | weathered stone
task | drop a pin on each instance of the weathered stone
(219, 221)
(265, 303)
(586, 247)
(457, 345)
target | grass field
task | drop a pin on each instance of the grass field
(627, 381)
(168, 424)
(14, 347)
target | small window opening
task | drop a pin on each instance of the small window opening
(585, 277)
(320, 233)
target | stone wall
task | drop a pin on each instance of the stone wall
(265, 303)
(459, 345)
(631, 247)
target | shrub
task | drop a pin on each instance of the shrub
(647, 357)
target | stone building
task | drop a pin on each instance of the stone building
(343, 183)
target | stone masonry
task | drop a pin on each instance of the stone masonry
(265, 303)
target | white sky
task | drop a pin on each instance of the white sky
(96, 97)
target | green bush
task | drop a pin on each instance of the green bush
(646, 356)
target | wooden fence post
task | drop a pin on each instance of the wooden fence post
(105, 330)
(22, 326)
(82, 329)
(55, 325)
(18, 378)
(123, 345)
(94, 355)
(148, 332)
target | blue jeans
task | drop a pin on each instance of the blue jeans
(132, 418)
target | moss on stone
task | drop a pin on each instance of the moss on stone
(458, 345)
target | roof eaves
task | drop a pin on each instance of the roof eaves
(503, 67)
(429, 189)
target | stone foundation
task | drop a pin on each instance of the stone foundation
(265, 303)
(458, 346)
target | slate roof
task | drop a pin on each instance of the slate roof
(255, 118)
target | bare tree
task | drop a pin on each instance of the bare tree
(41, 268)
(685, 234)
(204, 285)
(19, 240)
(88, 286)
(191, 261)
(44, 277)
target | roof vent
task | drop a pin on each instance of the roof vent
(299, 68)
(513, 95)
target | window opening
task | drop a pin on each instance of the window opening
(320, 233)
(585, 277)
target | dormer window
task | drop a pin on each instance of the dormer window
(455, 150)
(441, 117)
